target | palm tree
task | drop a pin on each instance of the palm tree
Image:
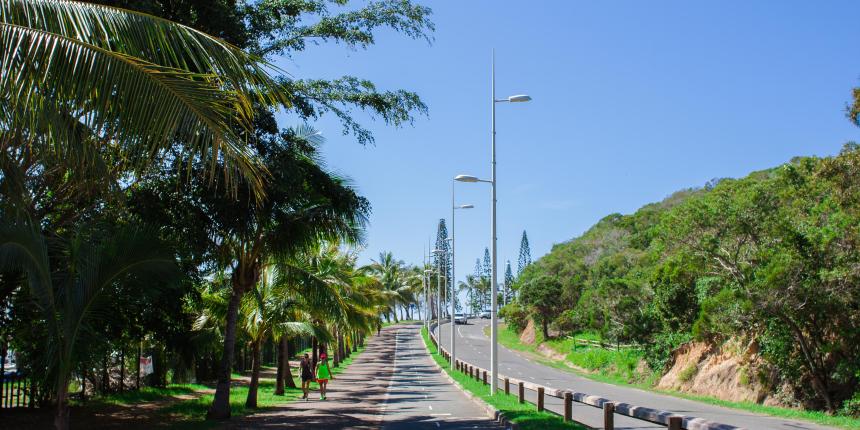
(270, 310)
(76, 76)
(389, 271)
(304, 205)
(72, 287)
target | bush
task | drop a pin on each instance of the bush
(688, 373)
(851, 407)
(567, 322)
(516, 317)
(659, 351)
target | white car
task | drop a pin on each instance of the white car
(485, 315)
(460, 319)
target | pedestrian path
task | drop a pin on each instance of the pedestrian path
(421, 398)
(392, 385)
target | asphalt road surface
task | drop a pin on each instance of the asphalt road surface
(392, 385)
(419, 397)
(474, 347)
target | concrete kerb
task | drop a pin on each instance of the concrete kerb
(491, 410)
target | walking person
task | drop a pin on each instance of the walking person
(323, 373)
(307, 375)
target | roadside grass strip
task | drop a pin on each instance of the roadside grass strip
(525, 415)
(190, 413)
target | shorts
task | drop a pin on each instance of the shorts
(307, 378)
(321, 381)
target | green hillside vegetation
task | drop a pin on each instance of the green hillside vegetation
(772, 258)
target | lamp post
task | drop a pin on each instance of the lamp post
(454, 208)
(439, 278)
(494, 317)
(426, 281)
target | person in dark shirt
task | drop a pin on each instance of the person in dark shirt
(307, 375)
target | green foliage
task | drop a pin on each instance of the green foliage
(542, 296)
(658, 352)
(515, 316)
(688, 373)
(771, 257)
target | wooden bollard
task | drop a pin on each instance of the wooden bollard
(568, 406)
(609, 416)
(485, 377)
(507, 386)
(675, 423)
(522, 392)
(540, 399)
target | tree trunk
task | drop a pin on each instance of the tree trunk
(334, 349)
(251, 401)
(279, 379)
(105, 375)
(122, 368)
(139, 353)
(314, 352)
(545, 329)
(220, 408)
(83, 384)
(61, 420)
(288, 374)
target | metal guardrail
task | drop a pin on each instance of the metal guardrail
(671, 420)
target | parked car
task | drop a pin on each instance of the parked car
(485, 314)
(460, 319)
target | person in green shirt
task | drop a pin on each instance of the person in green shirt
(323, 372)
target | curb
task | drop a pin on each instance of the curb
(497, 415)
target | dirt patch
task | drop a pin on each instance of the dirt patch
(733, 371)
(550, 353)
(528, 335)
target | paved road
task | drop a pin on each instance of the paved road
(392, 385)
(473, 346)
(421, 398)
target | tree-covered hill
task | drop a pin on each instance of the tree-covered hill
(772, 257)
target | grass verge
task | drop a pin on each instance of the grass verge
(602, 369)
(523, 414)
(189, 413)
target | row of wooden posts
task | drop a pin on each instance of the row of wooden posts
(609, 411)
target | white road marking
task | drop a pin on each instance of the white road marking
(430, 406)
(440, 415)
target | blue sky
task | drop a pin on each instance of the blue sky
(633, 100)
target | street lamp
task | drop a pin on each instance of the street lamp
(426, 280)
(439, 277)
(454, 208)
(494, 317)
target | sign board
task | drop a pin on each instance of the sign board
(146, 365)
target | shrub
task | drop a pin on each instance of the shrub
(851, 407)
(516, 317)
(688, 373)
(659, 351)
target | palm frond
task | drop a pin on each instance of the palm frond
(132, 78)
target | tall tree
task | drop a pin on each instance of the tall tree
(442, 259)
(525, 257)
(507, 293)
